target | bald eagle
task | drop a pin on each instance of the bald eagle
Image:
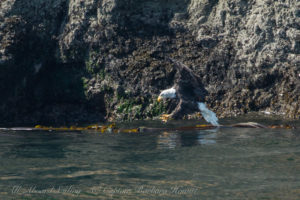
(190, 92)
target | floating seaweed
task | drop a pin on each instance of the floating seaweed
(112, 128)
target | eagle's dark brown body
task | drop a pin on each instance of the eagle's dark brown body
(189, 91)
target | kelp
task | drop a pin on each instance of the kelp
(112, 128)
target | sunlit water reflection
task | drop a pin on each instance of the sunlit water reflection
(230, 163)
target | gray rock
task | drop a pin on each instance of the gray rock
(106, 59)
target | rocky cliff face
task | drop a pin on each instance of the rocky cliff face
(90, 60)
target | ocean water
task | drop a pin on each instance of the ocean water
(223, 163)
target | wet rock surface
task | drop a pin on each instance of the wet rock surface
(80, 61)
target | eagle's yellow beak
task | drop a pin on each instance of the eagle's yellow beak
(159, 99)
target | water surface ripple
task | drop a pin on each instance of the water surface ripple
(232, 163)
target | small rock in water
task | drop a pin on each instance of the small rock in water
(208, 115)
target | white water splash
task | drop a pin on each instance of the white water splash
(208, 115)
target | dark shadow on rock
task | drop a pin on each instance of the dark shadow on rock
(35, 86)
(146, 19)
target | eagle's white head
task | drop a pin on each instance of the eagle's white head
(167, 94)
